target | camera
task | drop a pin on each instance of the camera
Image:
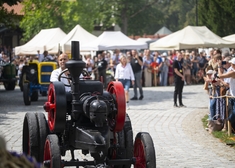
(215, 78)
(224, 62)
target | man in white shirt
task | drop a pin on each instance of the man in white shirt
(62, 59)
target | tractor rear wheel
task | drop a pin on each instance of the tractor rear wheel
(26, 94)
(34, 96)
(144, 152)
(125, 139)
(43, 132)
(30, 135)
(52, 156)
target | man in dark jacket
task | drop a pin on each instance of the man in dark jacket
(102, 66)
(179, 79)
(136, 64)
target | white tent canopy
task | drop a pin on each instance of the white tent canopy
(46, 39)
(143, 39)
(230, 38)
(191, 37)
(111, 40)
(76, 34)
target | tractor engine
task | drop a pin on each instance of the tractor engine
(95, 107)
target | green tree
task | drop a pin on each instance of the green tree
(46, 14)
(217, 15)
(8, 19)
(178, 13)
(133, 16)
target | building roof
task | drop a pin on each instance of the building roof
(16, 8)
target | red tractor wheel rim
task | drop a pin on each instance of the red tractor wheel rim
(51, 107)
(116, 88)
(47, 151)
(139, 154)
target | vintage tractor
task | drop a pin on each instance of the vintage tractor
(88, 119)
(8, 75)
(35, 79)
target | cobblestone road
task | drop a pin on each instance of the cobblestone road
(178, 134)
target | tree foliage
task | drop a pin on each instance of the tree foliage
(46, 14)
(135, 17)
(218, 16)
(8, 19)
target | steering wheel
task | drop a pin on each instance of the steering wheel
(84, 73)
(66, 77)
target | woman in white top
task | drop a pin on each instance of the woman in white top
(125, 75)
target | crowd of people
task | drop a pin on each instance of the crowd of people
(220, 83)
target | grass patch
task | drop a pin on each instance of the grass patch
(222, 135)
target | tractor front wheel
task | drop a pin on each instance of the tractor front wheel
(52, 156)
(144, 152)
(26, 94)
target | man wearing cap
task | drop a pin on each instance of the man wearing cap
(208, 86)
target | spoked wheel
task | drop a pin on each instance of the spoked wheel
(52, 157)
(117, 122)
(56, 106)
(34, 96)
(125, 139)
(30, 135)
(26, 94)
(42, 134)
(144, 152)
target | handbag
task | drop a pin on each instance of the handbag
(222, 90)
(149, 70)
(215, 125)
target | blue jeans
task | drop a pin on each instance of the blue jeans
(232, 112)
(212, 108)
(126, 83)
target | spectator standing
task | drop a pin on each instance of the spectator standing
(164, 69)
(179, 80)
(125, 75)
(89, 63)
(202, 62)
(136, 64)
(147, 60)
(159, 62)
(39, 56)
(194, 60)
(48, 57)
(116, 59)
(154, 67)
(95, 68)
(170, 70)
(20, 68)
(187, 68)
(102, 67)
